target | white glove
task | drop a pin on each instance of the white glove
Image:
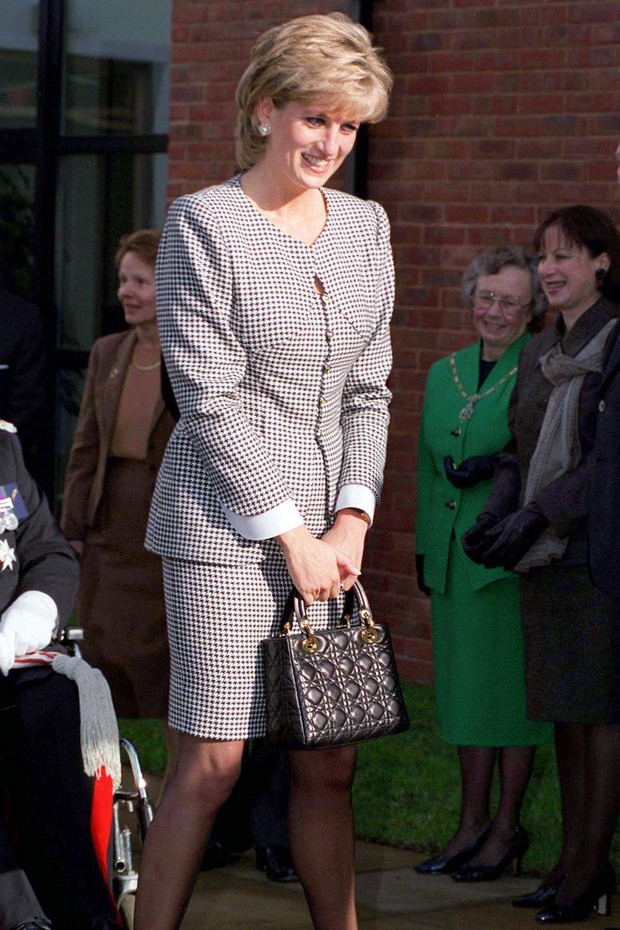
(28, 623)
(7, 653)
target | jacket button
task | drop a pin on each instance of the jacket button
(450, 505)
(601, 405)
(456, 432)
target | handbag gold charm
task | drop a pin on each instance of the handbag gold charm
(310, 645)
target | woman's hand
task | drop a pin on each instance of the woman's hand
(514, 536)
(315, 566)
(347, 536)
(471, 471)
(474, 540)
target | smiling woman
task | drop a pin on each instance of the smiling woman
(120, 438)
(502, 309)
(274, 302)
(308, 144)
(477, 657)
(136, 292)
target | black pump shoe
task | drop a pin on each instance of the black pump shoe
(446, 865)
(276, 862)
(544, 894)
(517, 848)
(596, 898)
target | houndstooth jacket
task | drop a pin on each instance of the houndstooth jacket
(282, 390)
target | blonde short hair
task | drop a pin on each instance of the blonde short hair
(324, 57)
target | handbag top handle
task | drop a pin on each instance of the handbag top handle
(299, 613)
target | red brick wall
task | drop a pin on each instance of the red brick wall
(502, 110)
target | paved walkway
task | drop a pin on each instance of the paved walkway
(390, 896)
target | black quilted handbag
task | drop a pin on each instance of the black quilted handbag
(332, 687)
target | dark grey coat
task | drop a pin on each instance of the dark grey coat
(567, 622)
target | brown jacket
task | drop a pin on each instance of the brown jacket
(107, 366)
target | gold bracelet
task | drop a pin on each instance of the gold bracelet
(360, 513)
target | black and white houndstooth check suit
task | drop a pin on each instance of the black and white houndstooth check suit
(284, 414)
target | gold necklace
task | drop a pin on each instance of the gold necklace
(468, 410)
(146, 367)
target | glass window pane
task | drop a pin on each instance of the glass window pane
(17, 187)
(69, 390)
(102, 197)
(117, 67)
(18, 63)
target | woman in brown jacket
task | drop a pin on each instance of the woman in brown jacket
(122, 431)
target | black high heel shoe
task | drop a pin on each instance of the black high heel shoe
(446, 865)
(596, 898)
(276, 862)
(544, 894)
(517, 848)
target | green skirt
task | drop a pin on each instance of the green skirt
(478, 657)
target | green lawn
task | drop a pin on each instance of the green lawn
(407, 789)
(407, 786)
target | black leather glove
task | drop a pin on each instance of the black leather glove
(475, 542)
(472, 470)
(513, 536)
(419, 569)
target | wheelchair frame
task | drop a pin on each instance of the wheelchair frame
(133, 800)
(125, 876)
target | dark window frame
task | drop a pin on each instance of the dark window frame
(44, 147)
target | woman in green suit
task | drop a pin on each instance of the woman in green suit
(477, 640)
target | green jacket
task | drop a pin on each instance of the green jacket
(443, 510)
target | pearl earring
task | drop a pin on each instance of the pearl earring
(265, 129)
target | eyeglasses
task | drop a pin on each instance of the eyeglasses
(507, 303)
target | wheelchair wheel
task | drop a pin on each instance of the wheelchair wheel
(127, 906)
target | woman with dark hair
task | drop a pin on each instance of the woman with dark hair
(477, 641)
(536, 522)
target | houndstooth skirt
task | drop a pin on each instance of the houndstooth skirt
(218, 616)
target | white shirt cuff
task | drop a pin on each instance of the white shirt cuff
(279, 520)
(358, 496)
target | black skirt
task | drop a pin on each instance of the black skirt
(568, 630)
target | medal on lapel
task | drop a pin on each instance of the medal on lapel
(12, 507)
(7, 555)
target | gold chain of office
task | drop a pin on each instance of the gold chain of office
(472, 399)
